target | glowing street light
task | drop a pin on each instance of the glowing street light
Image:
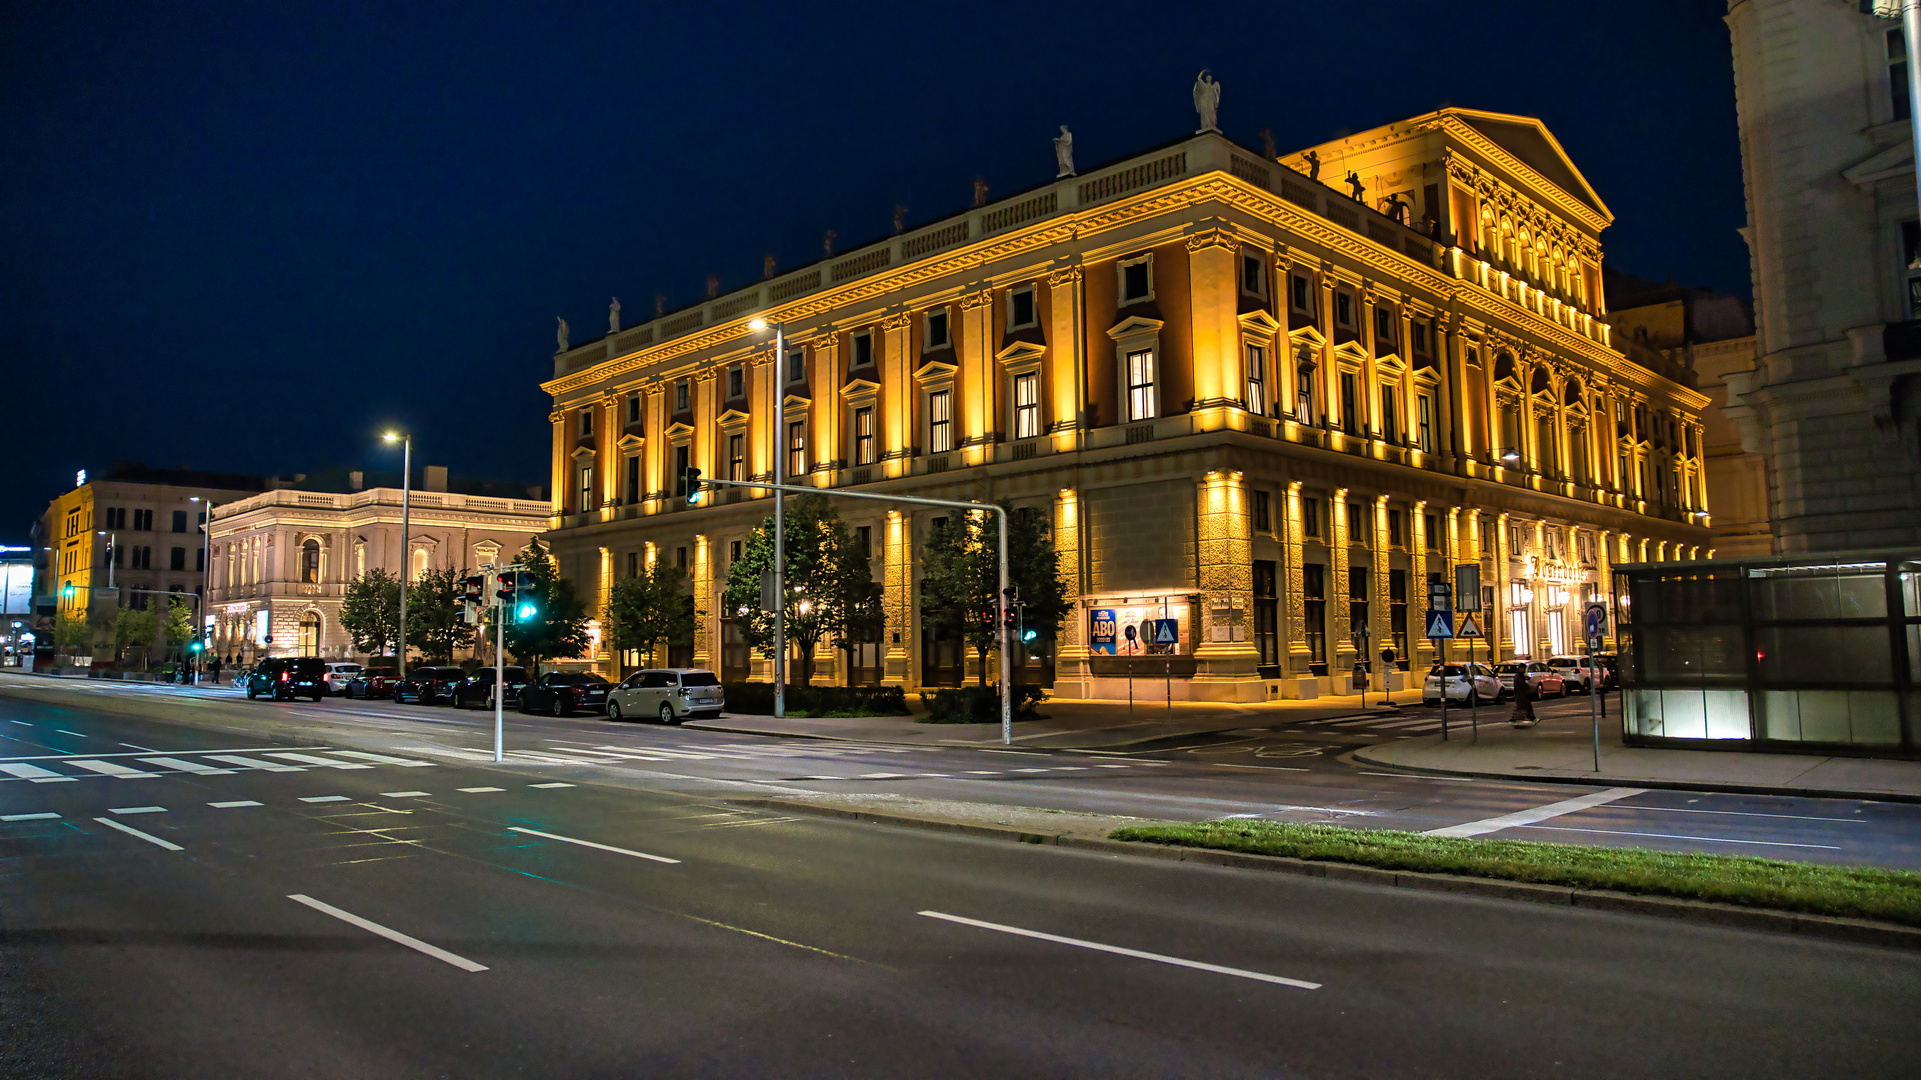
(780, 519)
(406, 440)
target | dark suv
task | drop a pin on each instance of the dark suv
(427, 685)
(286, 678)
(478, 689)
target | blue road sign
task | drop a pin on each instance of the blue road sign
(1597, 620)
(1440, 624)
(1166, 631)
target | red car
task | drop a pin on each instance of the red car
(374, 682)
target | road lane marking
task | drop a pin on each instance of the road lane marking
(113, 769)
(136, 810)
(553, 785)
(233, 804)
(22, 723)
(28, 817)
(478, 790)
(142, 749)
(383, 759)
(181, 765)
(372, 927)
(591, 844)
(1671, 836)
(309, 759)
(1538, 813)
(36, 774)
(1118, 951)
(252, 763)
(325, 798)
(64, 731)
(403, 794)
(1750, 813)
(155, 840)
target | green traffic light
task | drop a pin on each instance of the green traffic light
(67, 591)
(525, 612)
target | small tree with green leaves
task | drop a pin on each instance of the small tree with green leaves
(433, 615)
(179, 624)
(828, 583)
(558, 628)
(370, 611)
(960, 579)
(133, 627)
(646, 609)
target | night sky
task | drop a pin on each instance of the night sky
(246, 238)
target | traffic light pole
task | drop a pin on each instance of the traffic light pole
(1006, 665)
(500, 680)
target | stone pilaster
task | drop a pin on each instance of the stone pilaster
(1379, 613)
(1419, 646)
(1292, 585)
(1066, 353)
(897, 601)
(706, 611)
(1224, 561)
(1340, 645)
(1213, 305)
(1071, 675)
(899, 427)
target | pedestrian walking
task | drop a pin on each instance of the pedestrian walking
(1523, 714)
(213, 671)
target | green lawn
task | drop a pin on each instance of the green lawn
(1850, 891)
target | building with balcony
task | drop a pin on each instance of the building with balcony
(1261, 406)
(282, 559)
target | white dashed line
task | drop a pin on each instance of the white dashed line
(233, 804)
(396, 936)
(591, 844)
(1118, 951)
(154, 840)
(325, 798)
(404, 794)
(553, 785)
(136, 810)
(28, 817)
(478, 790)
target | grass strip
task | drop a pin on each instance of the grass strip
(1859, 892)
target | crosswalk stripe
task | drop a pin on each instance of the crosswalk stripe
(309, 759)
(113, 769)
(382, 759)
(181, 765)
(36, 774)
(252, 763)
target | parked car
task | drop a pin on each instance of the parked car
(241, 673)
(1608, 666)
(1576, 673)
(1469, 684)
(1546, 681)
(286, 678)
(339, 675)
(559, 693)
(427, 685)
(478, 688)
(671, 694)
(374, 682)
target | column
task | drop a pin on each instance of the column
(706, 411)
(1497, 548)
(976, 392)
(1380, 623)
(1340, 651)
(825, 380)
(897, 587)
(1224, 560)
(1071, 676)
(607, 660)
(558, 494)
(1417, 571)
(1295, 617)
(1066, 355)
(653, 480)
(706, 620)
(1213, 303)
(897, 393)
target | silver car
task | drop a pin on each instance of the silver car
(339, 675)
(1574, 671)
(671, 694)
(1468, 684)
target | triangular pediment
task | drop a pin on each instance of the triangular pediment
(1351, 351)
(1134, 324)
(1896, 160)
(583, 453)
(732, 417)
(679, 431)
(860, 388)
(1019, 352)
(1259, 322)
(1392, 362)
(630, 442)
(934, 369)
(1307, 335)
(795, 401)
(1529, 142)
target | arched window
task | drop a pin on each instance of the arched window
(310, 561)
(310, 633)
(417, 564)
(1503, 366)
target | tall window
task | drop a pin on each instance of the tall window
(1137, 280)
(1383, 329)
(179, 521)
(797, 448)
(1397, 611)
(1141, 401)
(586, 502)
(633, 409)
(1256, 366)
(1510, 449)
(1253, 276)
(1396, 527)
(864, 435)
(1300, 295)
(797, 366)
(1343, 309)
(1267, 613)
(1424, 423)
(940, 421)
(1417, 338)
(683, 457)
(1027, 405)
(1020, 308)
(935, 329)
(1261, 512)
(632, 479)
(1546, 446)
(1304, 379)
(309, 562)
(1314, 611)
(1898, 76)
(1357, 624)
(177, 559)
(736, 382)
(1310, 517)
(683, 396)
(736, 457)
(1391, 414)
(1350, 403)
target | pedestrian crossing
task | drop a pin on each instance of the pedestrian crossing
(70, 768)
(1393, 724)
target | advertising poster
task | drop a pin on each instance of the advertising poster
(1101, 631)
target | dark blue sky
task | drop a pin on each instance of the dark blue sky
(245, 237)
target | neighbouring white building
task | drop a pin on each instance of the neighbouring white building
(282, 560)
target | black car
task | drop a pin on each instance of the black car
(561, 692)
(428, 684)
(286, 678)
(478, 689)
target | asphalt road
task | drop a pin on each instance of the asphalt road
(320, 900)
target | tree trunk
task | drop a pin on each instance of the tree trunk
(982, 651)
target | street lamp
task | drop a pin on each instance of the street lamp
(206, 580)
(780, 519)
(113, 551)
(406, 442)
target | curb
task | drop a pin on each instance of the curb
(1829, 928)
(1606, 780)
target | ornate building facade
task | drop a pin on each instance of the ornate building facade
(1252, 404)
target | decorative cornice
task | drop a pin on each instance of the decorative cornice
(1059, 279)
(972, 300)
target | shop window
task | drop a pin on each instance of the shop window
(1267, 612)
(1357, 624)
(1397, 614)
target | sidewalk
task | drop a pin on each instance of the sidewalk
(1069, 724)
(1562, 750)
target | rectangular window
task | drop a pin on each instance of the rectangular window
(680, 558)
(1360, 522)
(683, 396)
(587, 423)
(200, 560)
(143, 521)
(1417, 335)
(863, 349)
(1383, 329)
(940, 422)
(632, 479)
(1397, 528)
(177, 559)
(1314, 610)
(1301, 294)
(1432, 523)
(733, 552)
(1358, 628)
(797, 448)
(179, 521)
(736, 382)
(1343, 309)
(1310, 516)
(1253, 276)
(1262, 513)
(1027, 406)
(1020, 308)
(937, 336)
(797, 366)
(864, 536)
(633, 409)
(1267, 615)
(1546, 448)
(683, 457)
(1397, 611)
(1911, 266)
(1902, 108)
(1424, 423)
(586, 502)
(1350, 403)
(864, 435)
(737, 457)
(1137, 280)
(1256, 366)
(1304, 407)
(1391, 414)
(1141, 402)
(633, 564)
(1510, 450)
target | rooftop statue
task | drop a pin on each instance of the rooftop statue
(1359, 193)
(560, 336)
(613, 316)
(1207, 100)
(1064, 153)
(1313, 159)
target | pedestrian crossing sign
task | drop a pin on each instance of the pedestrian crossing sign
(1440, 624)
(1470, 626)
(1166, 631)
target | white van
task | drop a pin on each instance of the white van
(670, 694)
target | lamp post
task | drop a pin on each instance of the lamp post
(780, 520)
(406, 441)
(206, 581)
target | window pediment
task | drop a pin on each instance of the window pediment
(732, 418)
(630, 443)
(934, 370)
(1134, 326)
(679, 430)
(796, 403)
(583, 453)
(1350, 352)
(1021, 357)
(1392, 363)
(860, 390)
(1307, 335)
(1259, 323)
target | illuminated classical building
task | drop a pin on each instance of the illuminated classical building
(1246, 400)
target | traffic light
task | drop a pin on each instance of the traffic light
(690, 483)
(472, 593)
(197, 645)
(1010, 608)
(67, 591)
(1027, 633)
(527, 598)
(504, 586)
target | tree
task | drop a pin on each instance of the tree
(133, 627)
(830, 594)
(433, 615)
(370, 611)
(960, 578)
(645, 609)
(558, 628)
(179, 625)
